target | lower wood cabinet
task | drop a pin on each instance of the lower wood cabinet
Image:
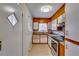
(43, 38)
(61, 50)
(39, 39)
(35, 39)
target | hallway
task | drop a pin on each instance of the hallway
(44, 29)
(40, 50)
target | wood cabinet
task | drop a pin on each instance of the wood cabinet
(61, 50)
(43, 38)
(39, 38)
(36, 38)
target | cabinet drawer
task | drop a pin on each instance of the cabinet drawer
(35, 36)
(35, 40)
(43, 36)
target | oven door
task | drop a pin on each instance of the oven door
(54, 45)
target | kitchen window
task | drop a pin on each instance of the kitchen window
(43, 27)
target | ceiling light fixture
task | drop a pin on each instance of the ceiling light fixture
(46, 8)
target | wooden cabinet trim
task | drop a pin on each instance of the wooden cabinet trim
(72, 41)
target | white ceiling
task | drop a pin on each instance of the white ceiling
(10, 6)
(35, 9)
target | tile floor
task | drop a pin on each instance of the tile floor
(40, 50)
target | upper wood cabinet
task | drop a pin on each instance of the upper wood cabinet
(58, 17)
(58, 13)
(41, 20)
(61, 22)
(61, 19)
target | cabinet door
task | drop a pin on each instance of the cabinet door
(43, 38)
(35, 38)
(62, 50)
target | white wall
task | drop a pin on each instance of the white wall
(71, 49)
(11, 37)
(16, 41)
(72, 27)
(27, 30)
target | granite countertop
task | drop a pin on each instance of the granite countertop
(57, 37)
(39, 33)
